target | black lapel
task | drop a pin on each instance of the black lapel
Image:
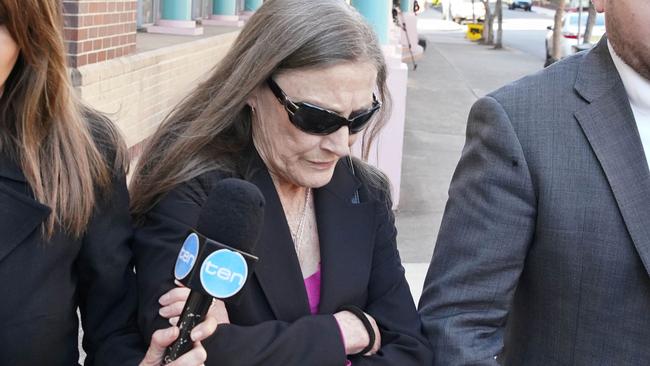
(610, 127)
(278, 270)
(20, 214)
(346, 233)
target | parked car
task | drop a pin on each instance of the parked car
(527, 5)
(570, 36)
(460, 10)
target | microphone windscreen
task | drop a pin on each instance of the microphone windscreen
(233, 214)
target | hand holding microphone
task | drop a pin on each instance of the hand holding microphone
(173, 302)
(163, 338)
(216, 259)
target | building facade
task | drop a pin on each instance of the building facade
(133, 76)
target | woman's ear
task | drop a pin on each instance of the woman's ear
(253, 101)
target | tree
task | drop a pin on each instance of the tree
(488, 26)
(445, 10)
(591, 21)
(499, 10)
(557, 29)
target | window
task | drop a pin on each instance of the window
(147, 12)
(201, 9)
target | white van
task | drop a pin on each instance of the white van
(466, 10)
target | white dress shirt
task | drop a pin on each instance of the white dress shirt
(638, 92)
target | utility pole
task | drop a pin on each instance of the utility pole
(591, 21)
(579, 37)
(499, 9)
(488, 30)
(557, 29)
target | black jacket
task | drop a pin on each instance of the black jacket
(44, 282)
(272, 324)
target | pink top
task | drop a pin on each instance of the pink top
(312, 285)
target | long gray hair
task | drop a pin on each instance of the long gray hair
(211, 127)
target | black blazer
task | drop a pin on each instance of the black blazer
(272, 324)
(43, 282)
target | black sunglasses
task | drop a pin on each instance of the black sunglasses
(320, 121)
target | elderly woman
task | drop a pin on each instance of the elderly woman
(304, 80)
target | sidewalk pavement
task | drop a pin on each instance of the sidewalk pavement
(451, 76)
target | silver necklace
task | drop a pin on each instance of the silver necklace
(297, 235)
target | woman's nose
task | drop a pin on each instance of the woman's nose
(338, 142)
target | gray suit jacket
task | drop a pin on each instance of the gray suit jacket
(544, 249)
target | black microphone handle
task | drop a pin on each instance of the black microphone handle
(196, 308)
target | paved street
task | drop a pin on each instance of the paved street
(526, 31)
(453, 73)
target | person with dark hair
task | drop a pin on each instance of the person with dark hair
(64, 218)
(303, 81)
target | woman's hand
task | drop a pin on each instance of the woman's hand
(165, 337)
(172, 304)
(355, 336)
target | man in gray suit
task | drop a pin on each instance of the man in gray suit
(543, 256)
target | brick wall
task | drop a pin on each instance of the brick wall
(98, 30)
(138, 91)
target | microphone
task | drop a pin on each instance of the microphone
(223, 244)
